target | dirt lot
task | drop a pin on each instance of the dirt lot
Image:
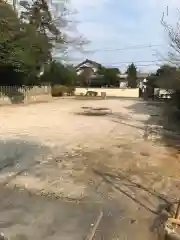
(59, 167)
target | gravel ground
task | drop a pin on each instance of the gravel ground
(53, 151)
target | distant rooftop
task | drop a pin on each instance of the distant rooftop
(88, 61)
(142, 75)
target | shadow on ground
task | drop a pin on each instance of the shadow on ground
(158, 122)
(35, 217)
(143, 222)
(24, 215)
(17, 156)
(123, 119)
(124, 182)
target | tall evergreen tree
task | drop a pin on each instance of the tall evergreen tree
(132, 76)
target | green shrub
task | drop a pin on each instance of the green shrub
(58, 90)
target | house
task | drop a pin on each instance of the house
(123, 83)
(140, 78)
(88, 72)
(88, 66)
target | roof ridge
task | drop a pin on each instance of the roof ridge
(88, 61)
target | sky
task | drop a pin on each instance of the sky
(117, 30)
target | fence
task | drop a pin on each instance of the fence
(14, 94)
(111, 92)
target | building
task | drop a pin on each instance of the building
(123, 83)
(88, 72)
(88, 67)
(140, 78)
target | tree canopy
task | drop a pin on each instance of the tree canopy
(166, 77)
(132, 76)
(27, 42)
(22, 49)
(110, 76)
(59, 74)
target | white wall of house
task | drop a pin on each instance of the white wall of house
(79, 71)
(123, 84)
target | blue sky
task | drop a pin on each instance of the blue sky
(117, 24)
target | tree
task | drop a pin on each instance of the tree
(85, 76)
(55, 25)
(27, 43)
(132, 76)
(22, 49)
(38, 15)
(58, 73)
(152, 80)
(167, 77)
(110, 76)
(171, 75)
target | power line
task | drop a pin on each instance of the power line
(138, 65)
(145, 61)
(130, 47)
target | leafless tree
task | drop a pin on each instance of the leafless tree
(173, 33)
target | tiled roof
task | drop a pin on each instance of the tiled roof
(88, 61)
